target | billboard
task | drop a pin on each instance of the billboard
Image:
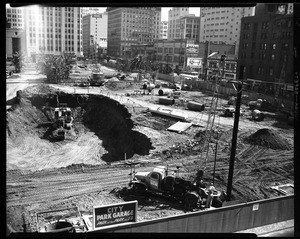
(194, 62)
(114, 214)
(192, 48)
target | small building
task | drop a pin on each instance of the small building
(170, 53)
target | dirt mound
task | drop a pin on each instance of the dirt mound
(268, 138)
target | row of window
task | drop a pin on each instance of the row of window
(265, 25)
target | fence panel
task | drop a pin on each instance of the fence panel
(222, 220)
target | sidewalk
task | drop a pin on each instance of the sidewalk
(280, 229)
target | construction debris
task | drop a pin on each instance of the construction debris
(269, 138)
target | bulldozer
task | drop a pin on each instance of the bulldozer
(169, 185)
(63, 121)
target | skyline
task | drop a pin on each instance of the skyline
(165, 11)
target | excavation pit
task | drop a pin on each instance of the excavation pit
(102, 127)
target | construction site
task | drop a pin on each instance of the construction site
(71, 146)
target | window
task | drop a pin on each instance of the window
(271, 71)
(274, 46)
(272, 57)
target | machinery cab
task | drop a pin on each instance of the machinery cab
(63, 114)
(155, 178)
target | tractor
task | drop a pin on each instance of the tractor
(63, 121)
(160, 182)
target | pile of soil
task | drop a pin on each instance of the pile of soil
(268, 138)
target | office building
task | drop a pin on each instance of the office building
(223, 25)
(94, 33)
(164, 30)
(15, 17)
(90, 10)
(131, 25)
(174, 16)
(190, 28)
(266, 48)
(53, 30)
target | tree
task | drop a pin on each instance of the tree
(142, 64)
(55, 67)
(18, 60)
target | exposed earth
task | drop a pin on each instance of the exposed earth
(111, 125)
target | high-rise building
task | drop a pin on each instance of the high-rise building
(174, 16)
(130, 26)
(90, 10)
(164, 30)
(223, 24)
(53, 30)
(15, 17)
(94, 33)
(190, 28)
(266, 47)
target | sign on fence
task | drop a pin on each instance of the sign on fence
(114, 214)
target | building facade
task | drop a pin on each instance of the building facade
(223, 25)
(15, 41)
(15, 17)
(190, 28)
(90, 10)
(131, 25)
(164, 30)
(53, 30)
(214, 68)
(145, 50)
(171, 53)
(174, 16)
(94, 33)
(266, 48)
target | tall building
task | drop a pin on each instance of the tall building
(266, 47)
(223, 25)
(15, 17)
(53, 30)
(90, 10)
(164, 30)
(190, 28)
(130, 26)
(174, 16)
(94, 32)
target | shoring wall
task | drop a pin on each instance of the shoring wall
(222, 220)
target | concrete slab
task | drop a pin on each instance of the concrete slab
(179, 127)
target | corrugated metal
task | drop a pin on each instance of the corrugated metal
(222, 220)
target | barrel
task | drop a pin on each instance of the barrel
(166, 101)
(98, 76)
(192, 105)
(162, 92)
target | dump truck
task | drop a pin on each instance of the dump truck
(161, 182)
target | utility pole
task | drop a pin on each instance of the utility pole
(235, 131)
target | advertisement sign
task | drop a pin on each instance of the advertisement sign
(114, 214)
(192, 48)
(194, 62)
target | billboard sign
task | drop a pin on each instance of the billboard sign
(192, 48)
(114, 214)
(194, 62)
